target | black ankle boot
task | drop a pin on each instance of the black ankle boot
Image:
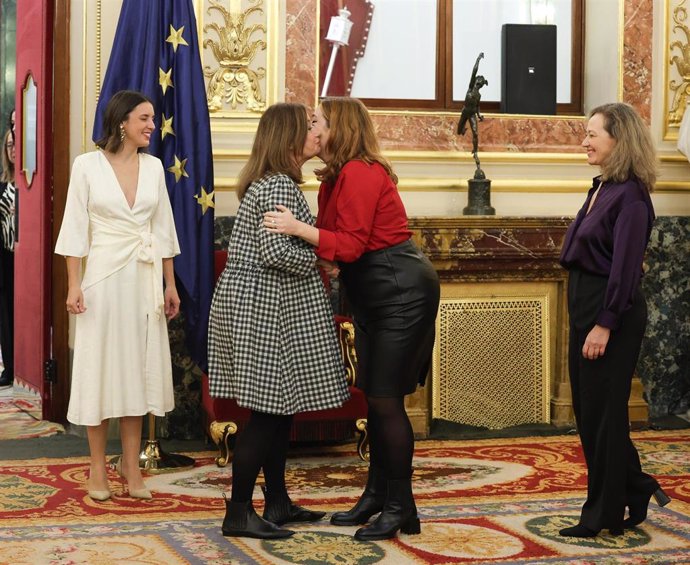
(242, 521)
(370, 503)
(399, 513)
(6, 378)
(280, 510)
(638, 507)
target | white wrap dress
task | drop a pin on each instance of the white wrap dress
(121, 364)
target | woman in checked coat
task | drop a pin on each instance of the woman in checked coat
(272, 340)
(393, 292)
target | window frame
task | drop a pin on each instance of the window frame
(443, 100)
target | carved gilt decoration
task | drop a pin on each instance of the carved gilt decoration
(679, 51)
(234, 82)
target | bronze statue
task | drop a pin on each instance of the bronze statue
(471, 112)
(479, 187)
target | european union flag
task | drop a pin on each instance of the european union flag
(156, 51)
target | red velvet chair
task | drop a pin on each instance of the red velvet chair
(223, 417)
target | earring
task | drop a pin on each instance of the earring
(122, 133)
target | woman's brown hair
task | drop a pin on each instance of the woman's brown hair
(7, 165)
(633, 153)
(278, 145)
(117, 110)
(351, 136)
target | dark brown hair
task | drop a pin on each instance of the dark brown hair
(7, 165)
(634, 152)
(278, 145)
(117, 111)
(351, 136)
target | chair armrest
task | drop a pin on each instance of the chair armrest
(346, 336)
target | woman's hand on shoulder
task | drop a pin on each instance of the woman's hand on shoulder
(595, 342)
(75, 300)
(171, 302)
(281, 220)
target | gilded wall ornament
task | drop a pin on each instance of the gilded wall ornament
(234, 82)
(680, 51)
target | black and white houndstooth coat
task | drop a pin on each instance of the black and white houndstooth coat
(272, 343)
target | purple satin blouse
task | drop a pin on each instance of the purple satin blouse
(611, 241)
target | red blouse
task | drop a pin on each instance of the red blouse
(361, 212)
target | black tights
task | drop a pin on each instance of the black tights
(263, 443)
(391, 440)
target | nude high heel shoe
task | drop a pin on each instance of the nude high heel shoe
(98, 495)
(142, 493)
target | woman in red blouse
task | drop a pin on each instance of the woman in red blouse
(361, 232)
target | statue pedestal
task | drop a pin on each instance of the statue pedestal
(478, 198)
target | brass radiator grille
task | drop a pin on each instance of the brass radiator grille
(491, 361)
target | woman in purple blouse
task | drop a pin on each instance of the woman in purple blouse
(603, 252)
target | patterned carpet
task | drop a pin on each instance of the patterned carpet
(483, 501)
(16, 421)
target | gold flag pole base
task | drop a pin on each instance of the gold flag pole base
(154, 460)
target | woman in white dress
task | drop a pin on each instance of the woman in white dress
(118, 217)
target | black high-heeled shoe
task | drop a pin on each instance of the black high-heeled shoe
(638, 509)
(580, 531)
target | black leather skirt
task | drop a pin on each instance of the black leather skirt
(394, 296)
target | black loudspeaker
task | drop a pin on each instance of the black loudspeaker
(528, 69)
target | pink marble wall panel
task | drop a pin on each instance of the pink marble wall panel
(429, 132)
(637, 56)
(300, 54)
(433, 132)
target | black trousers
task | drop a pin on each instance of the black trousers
(7, 309)
(601, 389)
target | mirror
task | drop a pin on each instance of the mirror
(29, 126)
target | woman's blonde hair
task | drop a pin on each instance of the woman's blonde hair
(351, 136)
(634, 152)
(278, 145)
(7, 165)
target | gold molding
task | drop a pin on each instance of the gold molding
(234, 121)
(621, 47)
(85, 139)
(674, 114)
(450, 157)
(235, 81)
(99, 17)
(455, 157)
(520, 186)
(83, 76)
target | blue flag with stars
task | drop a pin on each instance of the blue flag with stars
(156, 51)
